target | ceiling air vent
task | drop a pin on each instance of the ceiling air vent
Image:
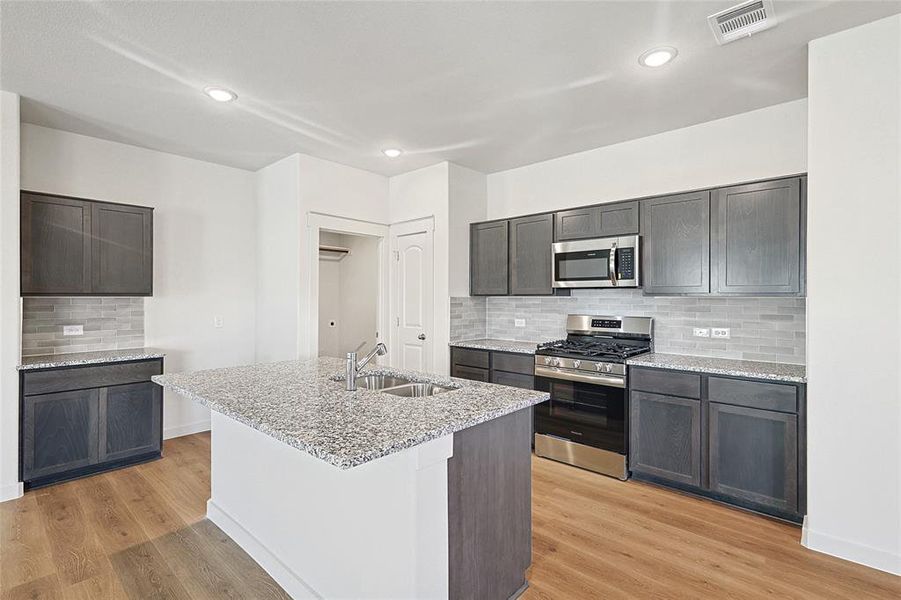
(742, 21)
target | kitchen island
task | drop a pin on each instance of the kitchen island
(368, 494)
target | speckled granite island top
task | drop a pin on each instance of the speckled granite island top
(723, 366)
(498, 345)
(74, 359)
(301, 404)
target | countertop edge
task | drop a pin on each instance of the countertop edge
(676, 366)
(511, 346)
(62, 362)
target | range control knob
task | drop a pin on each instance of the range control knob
(556, 362)
(547, 360)
(608, 368)
(577, 364)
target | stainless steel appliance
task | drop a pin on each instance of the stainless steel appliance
(601, 262)
(585, 422)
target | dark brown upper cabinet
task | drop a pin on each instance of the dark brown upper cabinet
(757, 238)
(77, 247)
(676, 244)
(488, 256)
(606, 220)
(530, 255)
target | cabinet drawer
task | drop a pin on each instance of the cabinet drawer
(753, 394)
(59, 380)
(470, 358)
(474, 373)
(672, 383)
(513, 379)
(523, 364)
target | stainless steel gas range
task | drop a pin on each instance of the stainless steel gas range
(585, 422)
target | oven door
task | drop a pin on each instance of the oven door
(587, 413)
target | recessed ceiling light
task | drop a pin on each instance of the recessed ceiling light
(220, 94)
(657, 57)
(392, 152)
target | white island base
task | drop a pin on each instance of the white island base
(419, 523)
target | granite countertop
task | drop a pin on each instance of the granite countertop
(723, 366)
(74, 359)
(498, 345)
(304, 404)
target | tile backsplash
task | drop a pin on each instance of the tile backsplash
(766, 329)
(109, 324)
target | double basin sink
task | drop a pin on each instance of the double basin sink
(399, 386)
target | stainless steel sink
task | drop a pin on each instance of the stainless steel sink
(379, 382)
(417, 390)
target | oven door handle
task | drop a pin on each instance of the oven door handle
(598, 379)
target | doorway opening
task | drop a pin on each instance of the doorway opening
(349, 290)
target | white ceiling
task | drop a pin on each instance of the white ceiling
(488, 85)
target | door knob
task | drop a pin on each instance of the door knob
(421, 336)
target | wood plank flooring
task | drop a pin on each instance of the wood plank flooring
(140, 533)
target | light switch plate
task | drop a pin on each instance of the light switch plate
(701, 332)
(519, 322)
(73, 329)
(218, 322)
(720, 332)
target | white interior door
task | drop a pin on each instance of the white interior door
(413, 305)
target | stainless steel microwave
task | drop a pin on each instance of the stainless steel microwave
(597, 263)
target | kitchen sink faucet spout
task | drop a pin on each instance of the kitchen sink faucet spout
(353, 368)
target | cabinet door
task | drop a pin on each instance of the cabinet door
(473, 373)
(59, 432)
(130, 420)
(122, 250)
(55, 245)
(530, 255)
(754, 455)
(757, 238)
(577, 224)
(488, 259)
(665, 437)
(676, 244)
(618, 219)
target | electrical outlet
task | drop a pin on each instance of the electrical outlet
(218, 322)
(721, 333)
(701, 332)
(519, 322)
(73, 329)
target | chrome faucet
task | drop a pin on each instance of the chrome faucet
(353, 368)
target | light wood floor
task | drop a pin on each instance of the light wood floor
(140, 533)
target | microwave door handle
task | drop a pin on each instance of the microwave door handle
(611, 265)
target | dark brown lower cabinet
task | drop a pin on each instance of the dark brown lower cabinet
(754, 455)
(737, 440)
(68, 433)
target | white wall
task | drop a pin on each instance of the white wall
(10, 324)
(416, 195)
(854, 412)
(755, 145)
(287, 192)
(204, 245)
(278, 223)
(468, 203)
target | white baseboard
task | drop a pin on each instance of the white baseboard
(186, 429)
(11, 491)
(852, 551)
(290, 581)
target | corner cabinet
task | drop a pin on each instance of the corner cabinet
(757, 239)
(488, 258)
(740, 441)
(76, 421)
(676, 244)
(77, 247)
